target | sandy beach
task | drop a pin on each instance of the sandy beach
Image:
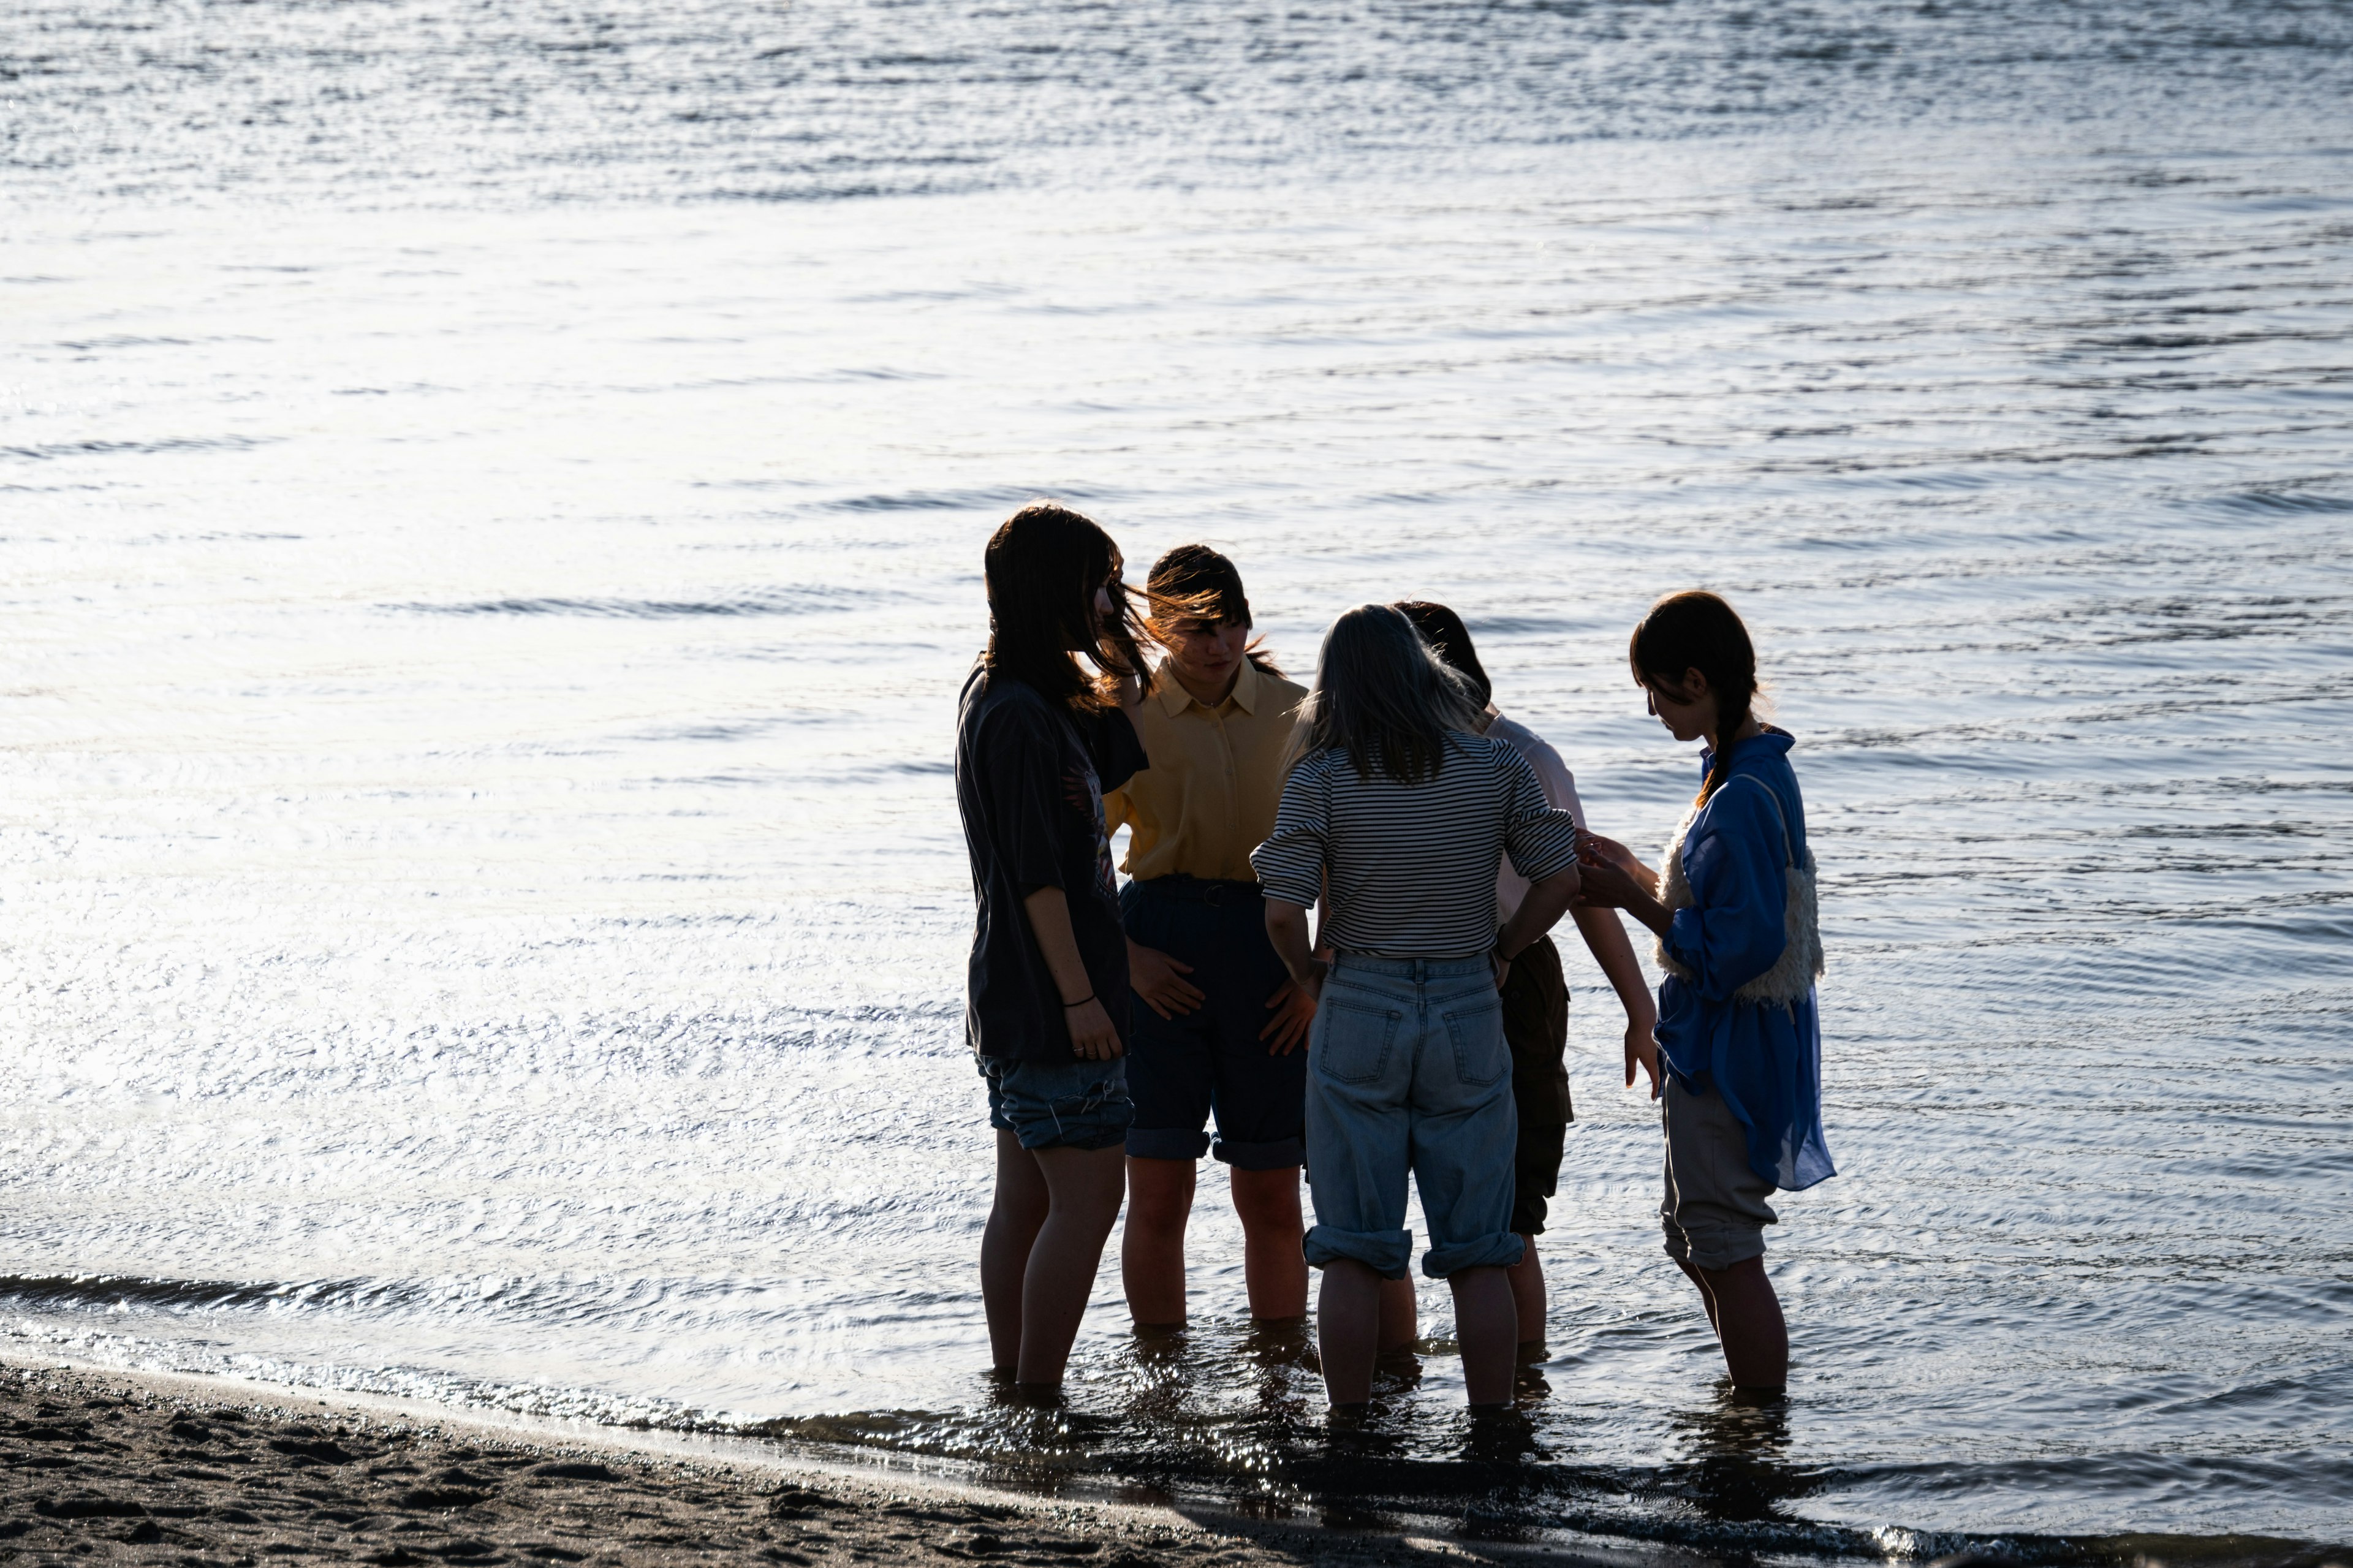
(107, 1465)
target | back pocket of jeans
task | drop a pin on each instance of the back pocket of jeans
(1481, 1056)
(1352, 1041)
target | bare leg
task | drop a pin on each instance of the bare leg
(1706, 1296)
(1273, 1267)
(1151, 1246)
(1488, 1329)
(1749, 1325)
(1013, 1222)
(1401, 1315)
(1084, 1188)
(1347, 1322)
(1528, 1292)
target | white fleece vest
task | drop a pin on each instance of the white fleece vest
(1800, 963)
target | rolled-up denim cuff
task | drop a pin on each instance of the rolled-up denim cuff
(1166, 1142)
(1499, 1250)
(1279, 1155)
(1385, 1252)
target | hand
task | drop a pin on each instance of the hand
(1604, 884)
(1294, 1006)
(1592, 846)
(1157, 978)
(1502, 967)
(1593, 850)
(1643, 1046)
(1091, 1037)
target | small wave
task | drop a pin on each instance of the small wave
(2278, 503)
(769, 601)
(980, 500)
(1540, 625)
(101, 1292)
(49, 450)
(125, 341)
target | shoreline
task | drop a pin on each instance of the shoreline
(105, 1464)
(200, 1470)
(507, 1428)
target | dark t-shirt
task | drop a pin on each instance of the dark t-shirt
(1030, 776)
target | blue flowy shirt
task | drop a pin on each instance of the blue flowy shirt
(1763, 1059)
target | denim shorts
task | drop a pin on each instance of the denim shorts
(1059, 1105)
(1406, 1069)
(1180, 1069)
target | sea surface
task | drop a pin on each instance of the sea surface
(491, 509)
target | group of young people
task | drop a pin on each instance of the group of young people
(1419, 1028)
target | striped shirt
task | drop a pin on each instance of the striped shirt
(1411, 869)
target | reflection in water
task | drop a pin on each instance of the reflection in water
(1226, 1419)
(1738, 1465)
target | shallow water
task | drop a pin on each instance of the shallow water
(488, 586)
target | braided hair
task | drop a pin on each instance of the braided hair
(1697, 630)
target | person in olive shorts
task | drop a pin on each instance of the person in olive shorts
(1219, 1027)
(1536, 993)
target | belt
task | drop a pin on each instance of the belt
(1199, 891)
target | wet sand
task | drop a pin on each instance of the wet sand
(99, 1466)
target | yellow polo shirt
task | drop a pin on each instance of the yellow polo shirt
(1209, 796)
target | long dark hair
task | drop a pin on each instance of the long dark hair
(1696, 630)
(1043, 565)
(1195, 582)
(1450, 639)
(1384, 697)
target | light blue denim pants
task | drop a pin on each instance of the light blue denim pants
(1406, 1069)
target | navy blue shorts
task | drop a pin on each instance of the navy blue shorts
(1180, 1070)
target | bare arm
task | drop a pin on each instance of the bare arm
(1286, 928)
(1608, 887)
(1538, 913)
(1605, 938)
(1091, 1033)
(1292, 1005)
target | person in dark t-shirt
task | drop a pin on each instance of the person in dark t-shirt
(1037, 741)
(1031, 778)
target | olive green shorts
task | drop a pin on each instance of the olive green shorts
(1535, 1026)
(1715, 1212)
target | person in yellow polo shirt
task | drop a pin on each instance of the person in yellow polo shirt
(1218, 1025)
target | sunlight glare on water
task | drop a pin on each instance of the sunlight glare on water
(486, 911)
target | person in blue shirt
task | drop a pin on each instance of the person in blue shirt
(1739, 1034)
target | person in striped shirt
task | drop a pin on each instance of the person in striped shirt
(1535, 1000)
(1395, 815)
